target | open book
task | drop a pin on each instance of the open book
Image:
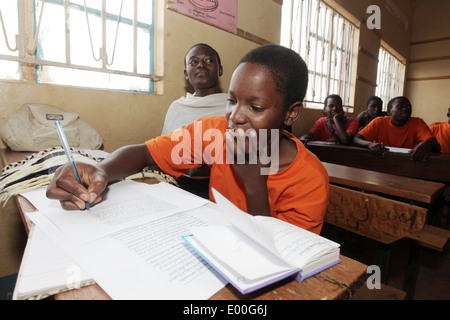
(252, 252)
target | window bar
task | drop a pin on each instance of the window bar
(117, 33)
(342, 62)
(37, 31)
(322, 62)
(388, 76)
(383, 76)
(298, 25)
(21, 38)
(6, 35)
(307, 39)
(78, 67)
(339, 60)
(336, 76)
(316, 46)
(291, 18)
(384, 73)
(332, 58)
(90, 34)
(330, 53)
(135, 35)
(394, 78)
(301, 19)
(348, 62)
(104, 56)
(67, 34)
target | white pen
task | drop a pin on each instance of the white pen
(70, 160)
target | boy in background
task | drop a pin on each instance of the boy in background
(335, 126)
(400, 130)
(374, 109)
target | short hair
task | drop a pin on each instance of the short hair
(288, 70)
(391, 102)
(333, 96)
(374, 98)
(204, 45)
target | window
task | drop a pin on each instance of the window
(9, 51)
(324, 39)
(89, 43)
(390, 78)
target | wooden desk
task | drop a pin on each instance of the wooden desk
(383, 217)
(394, 185)
(379, 216)
(341, 281)
(437, 168)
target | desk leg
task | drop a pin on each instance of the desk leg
(412, 269)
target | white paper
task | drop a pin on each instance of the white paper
(232, 247)
(398, 150)
(145, 260)
(46, 269)
(125, 204)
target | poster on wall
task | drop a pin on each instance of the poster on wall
(219, 13)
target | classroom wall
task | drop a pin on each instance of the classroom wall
(396, 28)
(428, 77)
(123, 118)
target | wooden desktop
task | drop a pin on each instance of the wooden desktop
(437, 168)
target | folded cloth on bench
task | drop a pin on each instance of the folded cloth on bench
(37, 170)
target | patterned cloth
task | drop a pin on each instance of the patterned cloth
(37, 170)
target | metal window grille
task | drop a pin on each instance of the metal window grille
(325, 40)
(390, 77)
(94, 43)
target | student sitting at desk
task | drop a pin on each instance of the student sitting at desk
(335, 126)
(441, 131)
(265, 96)
(374, 107)
(399, 129)
(203, 68)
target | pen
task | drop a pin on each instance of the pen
(66, 147)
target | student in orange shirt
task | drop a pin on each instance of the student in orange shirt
(399, 129)
(441, 131)
(265, 96)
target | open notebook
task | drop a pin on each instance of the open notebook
(255, 251)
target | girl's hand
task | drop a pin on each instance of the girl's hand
(70, 193)
(243, 150)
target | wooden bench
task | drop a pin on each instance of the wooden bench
(377, 206)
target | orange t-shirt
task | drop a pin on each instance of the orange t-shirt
(441, 131)
(298, 194)
(382, 130)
